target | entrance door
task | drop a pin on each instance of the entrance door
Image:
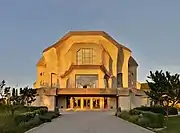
(77, 103)
(96, 103)
(86, 103)
(105, 102)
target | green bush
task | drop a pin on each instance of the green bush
(124, 115)
(45, 118)
(159, 109)
(156, 120)
(135, 112)
(33, 108)
(143, 118)
(52, 114)
(24, 126)
(41, 111)
(144, 122)
(24, 117)
(133, 118)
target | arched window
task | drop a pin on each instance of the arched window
(85, 56)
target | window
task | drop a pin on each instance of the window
(85, 56)
(86, 81)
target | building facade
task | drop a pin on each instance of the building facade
(87, 70)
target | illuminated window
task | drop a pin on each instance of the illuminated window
(85, 56)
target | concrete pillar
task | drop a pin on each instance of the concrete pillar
(110, 83)
(71, 102)
(82, 103)
(126, 54)
(101, 103)
(49, 101)
(91, 103)
(108, 103)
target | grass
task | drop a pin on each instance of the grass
(172, 125)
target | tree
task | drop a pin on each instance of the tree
(2, 84)
(28, 95)
(164, 89)
(7, 95)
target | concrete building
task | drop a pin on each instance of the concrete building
(88, 70)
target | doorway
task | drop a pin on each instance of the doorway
(96, 103)
(77, 103)
(87, 103)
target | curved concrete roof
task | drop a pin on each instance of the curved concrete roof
(102, 33)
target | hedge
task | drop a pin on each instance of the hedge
(143, 118)
(158, 109)
(25, 121)
(25, 117)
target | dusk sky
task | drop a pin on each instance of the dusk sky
(150, 28)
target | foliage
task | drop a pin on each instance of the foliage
(21, 122)
(27, 95)
(164, 89)
(2, 84)
(143, 118)
(156, 120)
(156, 109)
(24, 117)
(143, 121)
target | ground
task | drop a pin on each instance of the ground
(89, 122)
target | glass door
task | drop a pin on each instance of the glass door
(96, 103)
(86, 103)
(77, 103)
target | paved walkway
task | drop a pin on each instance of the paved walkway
(89, 122)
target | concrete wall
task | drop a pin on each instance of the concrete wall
(130, 102)
(112, 102)
(59, 59)
(49, 101)
(36, 102)
(124, 102)
(62, 101)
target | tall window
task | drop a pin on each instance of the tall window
(85, 56)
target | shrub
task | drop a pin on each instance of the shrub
(159, 109)
(32, 108)
(144, 122)
(135, 112)
(172, 111)
(155, 120)
(24, 126)
(45, 118)
(41, 111)
(143, 118)
(52, 114)
(133, 118)
(24, 117)
(124, 115)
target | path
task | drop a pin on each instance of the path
(89, 122)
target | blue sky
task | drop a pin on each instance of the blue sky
(150, 28)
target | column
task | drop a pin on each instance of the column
(91, 103)
(108, 103)
(71, 102)
(82, 103)
(126, 54)
(101, 103)
(110, 83)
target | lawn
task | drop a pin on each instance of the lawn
(173, 125)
